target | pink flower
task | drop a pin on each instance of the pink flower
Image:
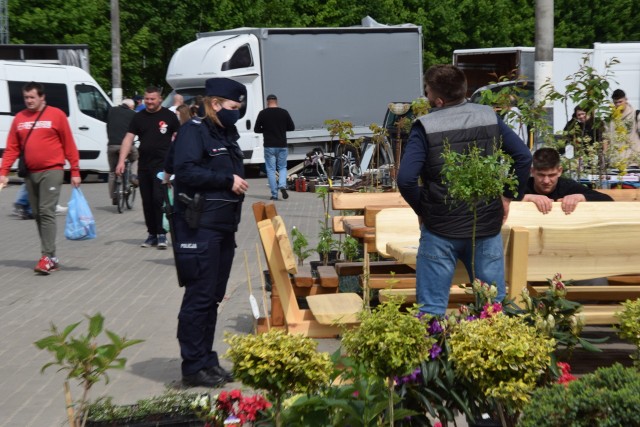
(437, 424)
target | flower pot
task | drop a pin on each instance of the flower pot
(486, 423)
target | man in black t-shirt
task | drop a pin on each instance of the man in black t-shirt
(546, 185)
(274, 122)
(156, 127)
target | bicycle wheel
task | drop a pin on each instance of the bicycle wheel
(119, 193)
(131, 196)
(124, 188)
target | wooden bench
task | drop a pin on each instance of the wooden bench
(325, 312)
(302, 281)
(596, 240)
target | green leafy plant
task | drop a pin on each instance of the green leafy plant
(389, 343)
(590, 91)
(300, 244)
(84, 359)
(278, 363)
(326, 241)
(503, 357)
(557, 317)
(629, 326)
(350, 248)
(476, 177)
(171, 404)
(607, 397)
(356, 397)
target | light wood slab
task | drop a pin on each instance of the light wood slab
(333, 309)
(357, 201)
(289, 258)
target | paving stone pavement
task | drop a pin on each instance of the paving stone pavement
(137, 292)
(133, 287)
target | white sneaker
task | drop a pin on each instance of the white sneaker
(61, 210)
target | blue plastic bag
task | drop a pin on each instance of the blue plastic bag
(80, 224)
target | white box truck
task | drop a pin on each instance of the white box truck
(72, 90)
(481, 65)
(349, 73)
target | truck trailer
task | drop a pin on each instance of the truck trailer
(348, 73)
(481, 66)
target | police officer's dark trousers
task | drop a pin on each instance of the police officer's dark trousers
(204, 258)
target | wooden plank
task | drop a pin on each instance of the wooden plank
(304, 278)
(327, 276)
(335, 308)
(337, 222)
(357, 201)
(622, 195)
(396, 225)
(378, 267)
(288, 257)
(370, 212)
(595, 293)
(457, 296)
(262, 211)
(279, 275)
(600, 314)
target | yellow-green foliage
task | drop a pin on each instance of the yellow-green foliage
(278, 362)
(629, 325)
(389, 342)
(502, 355)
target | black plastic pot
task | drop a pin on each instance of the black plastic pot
(160, 420)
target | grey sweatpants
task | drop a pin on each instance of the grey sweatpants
(44, 192)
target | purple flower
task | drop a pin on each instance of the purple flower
(435, 351)
(434, 327)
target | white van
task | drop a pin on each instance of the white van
(72, 90)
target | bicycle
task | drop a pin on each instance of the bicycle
(124, 190)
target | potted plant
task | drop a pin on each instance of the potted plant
(84, 359)
(278, 363)
(326, 242)
(170, 408)
(502, 358)
(300, 244)
(350, 248)
(629, 326)
(389, 343)
(475, 177)
(230, 408)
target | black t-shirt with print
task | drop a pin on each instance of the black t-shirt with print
(155, 131)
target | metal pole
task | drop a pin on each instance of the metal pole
(116, 76)
(543, 70)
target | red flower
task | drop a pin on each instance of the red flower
(566, 376)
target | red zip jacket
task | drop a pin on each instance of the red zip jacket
(50, 143)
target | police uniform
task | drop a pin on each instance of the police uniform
(206, 157)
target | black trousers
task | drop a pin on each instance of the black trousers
(152, 200)
(204, 258)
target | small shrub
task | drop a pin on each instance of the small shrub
(629, 326)
(607, 397)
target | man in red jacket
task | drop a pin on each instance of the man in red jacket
(44, 134)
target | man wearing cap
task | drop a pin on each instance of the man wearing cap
(156, 127)
(274, 122)
(209, 177)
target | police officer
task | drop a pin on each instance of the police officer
(209, 188)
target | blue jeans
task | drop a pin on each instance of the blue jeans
(436, 263)
(22, 198)
(276, 159)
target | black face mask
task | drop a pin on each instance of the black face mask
(228, 118)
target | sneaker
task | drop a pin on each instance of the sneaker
(162, 241)
(151, 241)
(18, 209)
(26, 215)
(46, 265)
(134, 181)
(61, 210)
(273, 198)
(285, 195)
